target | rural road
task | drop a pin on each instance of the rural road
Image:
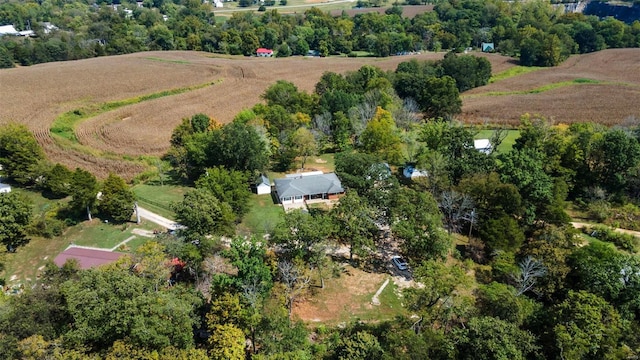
(155, 218)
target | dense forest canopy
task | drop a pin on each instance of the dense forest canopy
(537, 32)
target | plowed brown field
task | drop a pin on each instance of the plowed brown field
(613, 97)
(36, 95)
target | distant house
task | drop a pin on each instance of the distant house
(262, 186)
(483, 145)
(8, 30)
(5, 188)
(410, 172)
(48, 27)
(87, 258)
(262, 52)
(296, 188)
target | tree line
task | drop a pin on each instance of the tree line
(535, 31)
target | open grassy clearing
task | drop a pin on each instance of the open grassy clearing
(159, 198)
(263, 216)
(507, 143)
(348, 298)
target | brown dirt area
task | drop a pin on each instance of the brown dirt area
(36, 95)
(342, 298)
(612, 101)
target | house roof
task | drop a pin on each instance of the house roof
(483, 145)
(87, 258)
(263, 180)
(309, 185)
(8, 30)
(263, 50)
(4, 186)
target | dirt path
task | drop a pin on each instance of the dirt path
(580, 225)
(157, 219)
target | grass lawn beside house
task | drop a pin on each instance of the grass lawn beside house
(263, 216)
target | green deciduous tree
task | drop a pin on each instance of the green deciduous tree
(381, 137)
(299, 232)
(489, 338)
(112, 304)
(19, 153)
(84, 191)
(355, 224)
(359, 346)
(434, 301)
(303, 143)
(229, 186)
(58, 181)
(416, 222)
(117, 199)
(15, 216)
(586, 326)
(203, 214)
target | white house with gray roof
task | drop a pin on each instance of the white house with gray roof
(296, 188)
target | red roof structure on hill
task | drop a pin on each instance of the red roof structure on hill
(264, 50)
(87, 258)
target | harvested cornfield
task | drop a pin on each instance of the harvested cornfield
(602, 87)
(110, 139)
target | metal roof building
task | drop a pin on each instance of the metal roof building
(302, 187)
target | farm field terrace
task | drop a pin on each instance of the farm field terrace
(127, 106)
(602, 87)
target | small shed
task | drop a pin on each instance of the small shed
(263, 185)
(5, 188)
(483, 145)
(488, 47)
(262, 52)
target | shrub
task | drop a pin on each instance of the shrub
(606, 234)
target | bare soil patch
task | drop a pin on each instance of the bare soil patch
(342, 298)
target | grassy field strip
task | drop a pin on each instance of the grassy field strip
(512, 72)
(552, 86)
(167, 60)
(64, 125)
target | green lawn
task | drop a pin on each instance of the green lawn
(263, 216)
(158, 198)
(41, 205)
(98, 234)
(132, 245)
(507, 143)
